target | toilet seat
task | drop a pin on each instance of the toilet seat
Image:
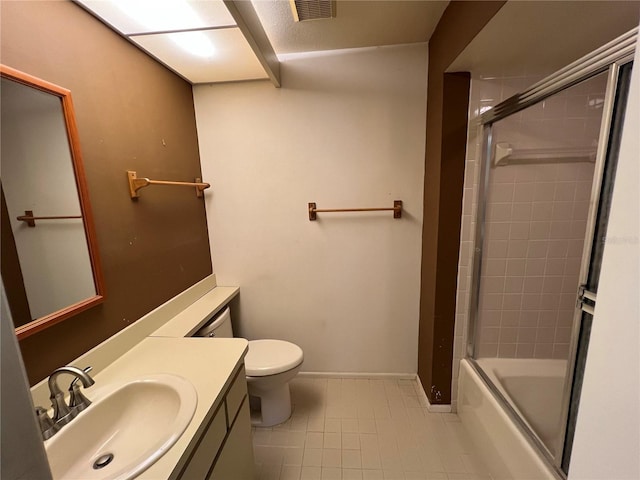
(270, 357)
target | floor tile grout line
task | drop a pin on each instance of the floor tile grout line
(442, 422)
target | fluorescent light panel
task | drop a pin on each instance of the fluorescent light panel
(168, 29)
(146, 16)
(234, 59)
(160, 15)
(196, 43)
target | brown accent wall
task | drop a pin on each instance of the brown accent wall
(12, 278)
(447, 110)
(132, 114)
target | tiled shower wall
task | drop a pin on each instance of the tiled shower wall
(535, 224)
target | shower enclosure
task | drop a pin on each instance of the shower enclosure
(548, 167)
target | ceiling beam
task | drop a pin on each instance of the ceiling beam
(251, 27)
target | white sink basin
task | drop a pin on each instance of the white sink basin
(136, 422)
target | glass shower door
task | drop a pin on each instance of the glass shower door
(540, 206)
(536, 211)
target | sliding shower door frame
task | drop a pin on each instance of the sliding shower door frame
(608, 58)
(596, 189)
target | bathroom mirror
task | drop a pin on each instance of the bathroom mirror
(50, 265)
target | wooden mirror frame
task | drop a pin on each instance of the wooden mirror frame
(64, 95)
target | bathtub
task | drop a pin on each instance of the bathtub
(534, 390)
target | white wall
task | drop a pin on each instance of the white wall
(346, 130)
(607, 437)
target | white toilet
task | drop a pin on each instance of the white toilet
(269, 365)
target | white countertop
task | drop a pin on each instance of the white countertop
(145, 348)
(207, 363)
(187, 322)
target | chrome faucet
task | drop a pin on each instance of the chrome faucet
(62, 413)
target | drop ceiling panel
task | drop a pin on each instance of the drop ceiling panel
(233, 58)
(160, 15)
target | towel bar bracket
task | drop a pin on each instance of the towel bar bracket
(397, 209)
(312, 212)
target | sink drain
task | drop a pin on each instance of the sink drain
(103, 461)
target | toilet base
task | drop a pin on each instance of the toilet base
(274, 406)
(272, 394)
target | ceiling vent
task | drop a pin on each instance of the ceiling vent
(312, 9)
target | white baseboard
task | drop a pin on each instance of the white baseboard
(432, 408)
(380, 376)
(397, 376)
(438, 408)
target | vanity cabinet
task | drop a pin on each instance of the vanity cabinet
(236, 459)
(223, 450)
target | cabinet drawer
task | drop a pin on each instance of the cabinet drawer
(207, 450)
(235, 395)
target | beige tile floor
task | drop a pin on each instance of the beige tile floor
(364, 429)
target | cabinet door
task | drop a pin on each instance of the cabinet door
(236, 459)
(206, 451)
(235, 395)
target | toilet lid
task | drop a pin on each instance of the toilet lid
(269, 357)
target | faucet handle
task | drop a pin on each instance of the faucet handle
(47, 426)
(77, 400)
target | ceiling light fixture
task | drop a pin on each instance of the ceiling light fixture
(196, 43)
(164, 15)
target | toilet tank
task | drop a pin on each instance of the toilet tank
(218, 326)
